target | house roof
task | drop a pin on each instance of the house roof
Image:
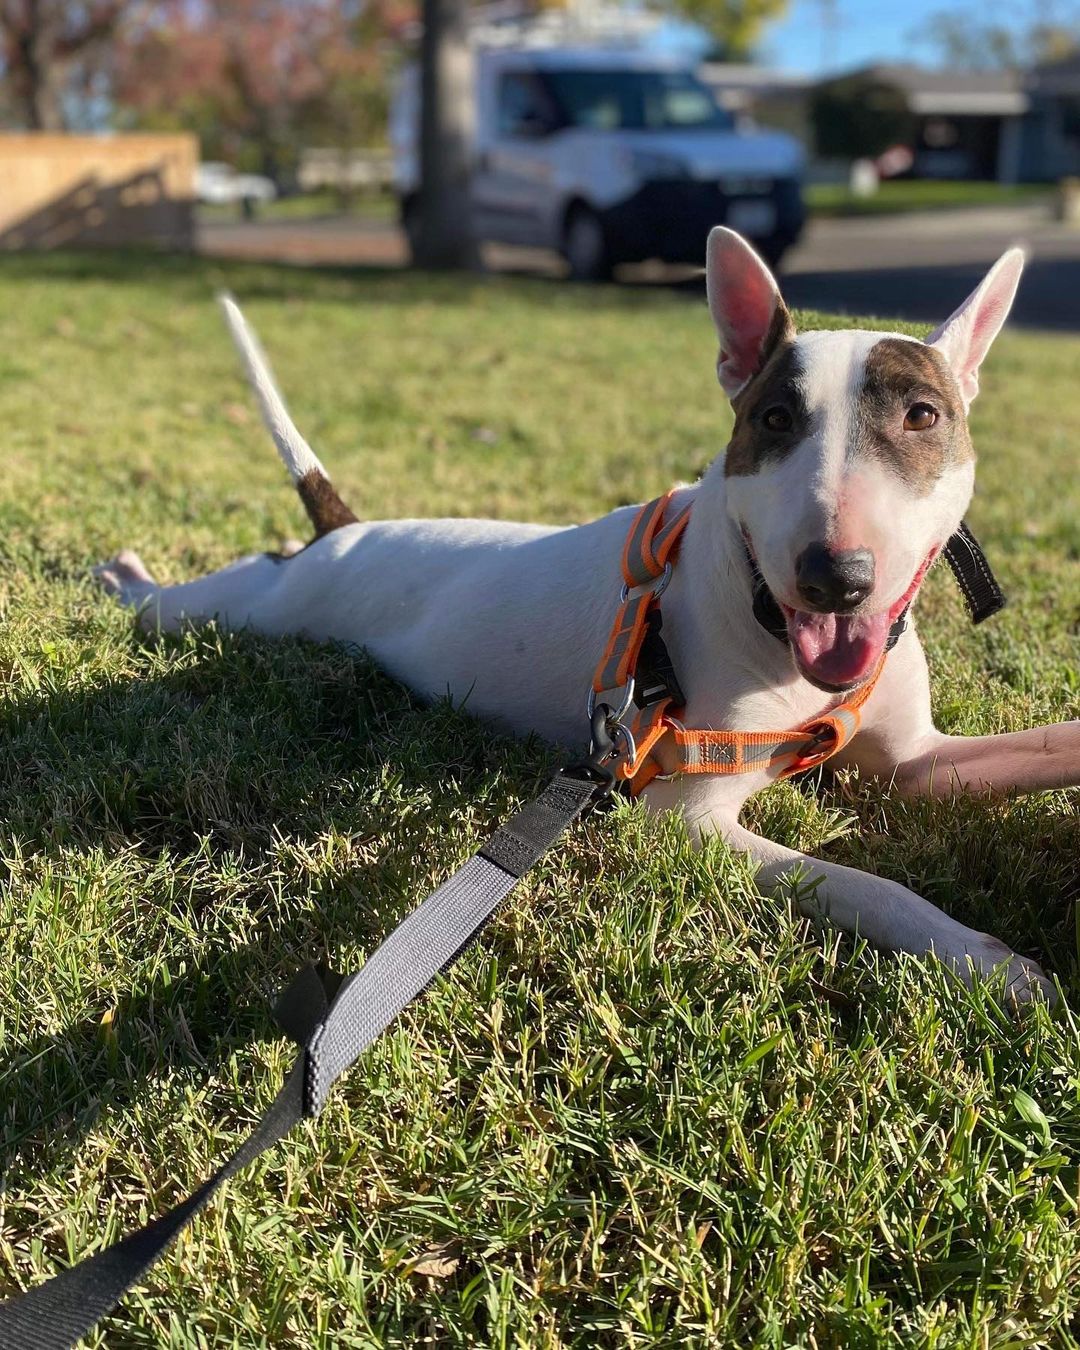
(748, 75)
(949, 92)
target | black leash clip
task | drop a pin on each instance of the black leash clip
(596, 766)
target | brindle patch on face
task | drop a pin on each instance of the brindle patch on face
(752, 444)
(898, 374)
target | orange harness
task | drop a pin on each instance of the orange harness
(641, 719)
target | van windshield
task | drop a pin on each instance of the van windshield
(635, 100)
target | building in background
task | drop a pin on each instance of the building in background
(1050, 134)
(997, 126)
(957, 124)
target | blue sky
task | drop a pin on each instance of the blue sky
(862, 31)
(877, 30)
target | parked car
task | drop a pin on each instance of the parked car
(608, 157)
(220, 184)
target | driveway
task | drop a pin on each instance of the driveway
(913, 266)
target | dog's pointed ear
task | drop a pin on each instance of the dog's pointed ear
(744, 300)
(965, 336)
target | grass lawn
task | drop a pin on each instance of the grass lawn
(891, 198)
(650, 1107)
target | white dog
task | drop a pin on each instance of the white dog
(849, 467)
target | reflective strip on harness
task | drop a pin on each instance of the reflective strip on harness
(649, 547)
(624, 644)
(651, 542)
(730, 752)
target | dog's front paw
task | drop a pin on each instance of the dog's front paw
(126, 577)
(991, 960)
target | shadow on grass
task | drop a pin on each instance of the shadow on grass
(211, 786)
(225, 766)
(194, 277)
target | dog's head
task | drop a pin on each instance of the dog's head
(850, 463)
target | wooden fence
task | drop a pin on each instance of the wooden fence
(59, 191)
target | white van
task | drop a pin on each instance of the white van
(608, 157)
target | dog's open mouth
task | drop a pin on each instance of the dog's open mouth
(839, 651)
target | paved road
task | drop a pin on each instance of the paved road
(913, 266)
(917, 266)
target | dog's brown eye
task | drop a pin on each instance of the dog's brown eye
(777, 419)
(920, 417)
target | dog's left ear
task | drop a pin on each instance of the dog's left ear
(965, 336)
(746, 307)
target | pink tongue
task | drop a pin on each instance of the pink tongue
(835, 648)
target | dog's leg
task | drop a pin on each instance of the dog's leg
(899, 742)
(884, 912)
(239, 596)
(887, 914)
(126, 577)
(1017, 761)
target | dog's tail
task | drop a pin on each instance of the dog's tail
(321, 501)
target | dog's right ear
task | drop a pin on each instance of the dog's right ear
(744, 300)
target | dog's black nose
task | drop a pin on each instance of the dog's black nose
(834, 583)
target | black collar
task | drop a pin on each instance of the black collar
(978, 585)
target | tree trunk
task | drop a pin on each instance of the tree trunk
(444, 236)
(37, 75)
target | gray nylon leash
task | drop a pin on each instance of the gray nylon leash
(333, 1020)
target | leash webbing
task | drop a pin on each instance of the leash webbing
(333, 1020)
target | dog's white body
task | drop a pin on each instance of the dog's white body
(510, 620)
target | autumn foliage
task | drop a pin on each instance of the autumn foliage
(256, 77)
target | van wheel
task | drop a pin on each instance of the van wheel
(585, 246)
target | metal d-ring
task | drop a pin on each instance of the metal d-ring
(624, 707)
(631, 744)
(658, 590)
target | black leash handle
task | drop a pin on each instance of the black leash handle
(333, 1020)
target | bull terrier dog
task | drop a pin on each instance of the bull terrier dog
(850, 466)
